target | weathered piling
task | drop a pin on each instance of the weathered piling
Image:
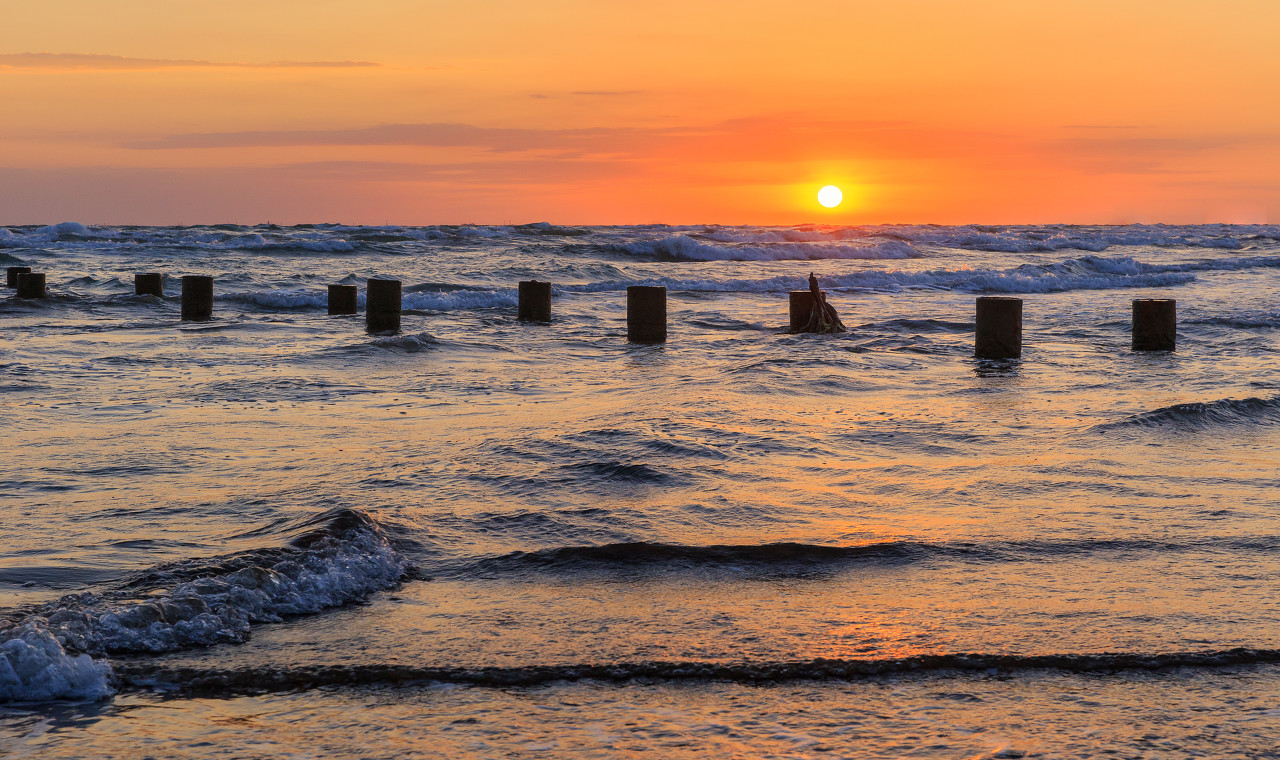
(801, 309)
(646, 313)
(1155, 324)
(11, 276)
(31, 285)
(382, 306)
(999, 328)
(148, 284)
(342, 299)
(535, 301)
(197, 298)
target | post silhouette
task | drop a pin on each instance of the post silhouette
(197, 298)
(998, 333)
(11, 275)
(31, 285)
(801, 308)
(535, 301)
(646, 313)
(148, 284)
(382, 306)
(1155, 324)
(343, 299)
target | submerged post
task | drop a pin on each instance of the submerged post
(382, 306)
(11, 278)
(535, 301)
(646, 313)
(1155, 324)
(148, 284)
(31, 285)
(342, 299)
(801, 309)
(999, 328)
(197, 298)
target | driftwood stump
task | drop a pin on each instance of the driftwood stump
(823, 317)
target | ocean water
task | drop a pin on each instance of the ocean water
(277, 535)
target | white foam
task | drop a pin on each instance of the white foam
(456, 300)
(1086, 273)
(34, 667)
(685, 248)
(213, 608)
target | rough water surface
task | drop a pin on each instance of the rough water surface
(274, 534)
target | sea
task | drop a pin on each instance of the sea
(278, 535)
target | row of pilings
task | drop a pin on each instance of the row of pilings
(997, 334)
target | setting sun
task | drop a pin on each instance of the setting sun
(830, 196)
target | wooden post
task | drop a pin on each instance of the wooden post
(11, 278)
(197, 298)
(999, 328)
(535, 301)
(343, 299)
(148, 284)
(801, 309)
(382, 306)
(1155, 324)
(31, 285)
(646, 313)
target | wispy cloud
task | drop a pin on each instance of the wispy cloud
(440, 135)
(94, 62)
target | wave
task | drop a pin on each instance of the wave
(1085, 273)
(461, 299)
(228, 682)
(685, 248)
(47, 652)
(1095, 239)
(801, 558)
(1201, 415)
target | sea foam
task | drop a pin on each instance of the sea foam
(46, 655)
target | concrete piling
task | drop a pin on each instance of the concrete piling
(31, 285)
(999, 328)
(197, 298)
(801, 309)
(148, 284)
(1155, 324)
(11, 277)
(535, 301)
(342, 299)
(646, 313)
(382, 306)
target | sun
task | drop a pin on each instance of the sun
(830, 196)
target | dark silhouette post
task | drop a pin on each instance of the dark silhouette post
(999, 328)
(148, 284)
(11, 278)
(382, 306)
(646, 313)
(535, 301)
(801, 309)
(343, 299)
(1155, 324)
(31, 285)
(820, 316)
(197, 298)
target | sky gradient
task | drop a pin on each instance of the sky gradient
(412, 112)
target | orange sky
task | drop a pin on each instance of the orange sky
(580, 112)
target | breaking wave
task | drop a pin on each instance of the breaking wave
(685, 248)
(47, 652)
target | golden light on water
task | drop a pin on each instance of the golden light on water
(830, 196)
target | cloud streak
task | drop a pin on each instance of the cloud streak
(94, 62)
